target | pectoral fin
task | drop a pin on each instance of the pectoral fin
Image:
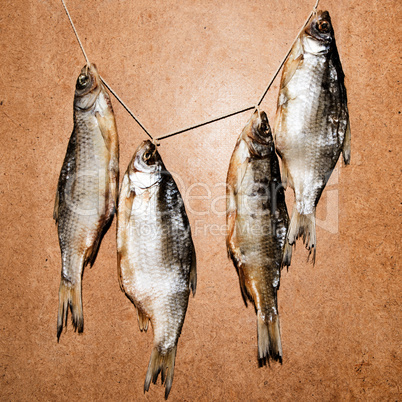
(231, 220)
(128, 205)
(291, 67)
(238, 167)
(292, 64)
(104, 126)
(241, 173)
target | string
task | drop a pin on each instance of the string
(75, 32)
(224, 116)
(129, 111)
(183, 130)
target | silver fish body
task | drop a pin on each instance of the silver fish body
(312, 124)
(87, 190)
(156, 256)
(257, 222)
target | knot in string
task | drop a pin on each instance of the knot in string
(156, 142)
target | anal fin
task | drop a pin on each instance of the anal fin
(285, 176)
(143, 320)
(346, 147)
(92, 252)
(243, 287)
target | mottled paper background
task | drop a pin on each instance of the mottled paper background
(176, 63)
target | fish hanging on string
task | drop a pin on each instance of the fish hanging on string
(312, 124)
(156, 256)
(87, 190)
(257, 221)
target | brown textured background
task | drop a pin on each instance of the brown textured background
(175, 64)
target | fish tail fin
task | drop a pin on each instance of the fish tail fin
(275, 339)
(161, 363)
(302, 226)
(269, 339)
(70, 296)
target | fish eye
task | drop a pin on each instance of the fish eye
(147, 155)
(82, 81)
(323, 26)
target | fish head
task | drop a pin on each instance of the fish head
(87, 87)
(260, 125)
(260, 130)
(145, 167)
(319, 33)
(259, 134)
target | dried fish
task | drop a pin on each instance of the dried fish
(87, 190)
(156, 256)
(257, 221)
(312, 124)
